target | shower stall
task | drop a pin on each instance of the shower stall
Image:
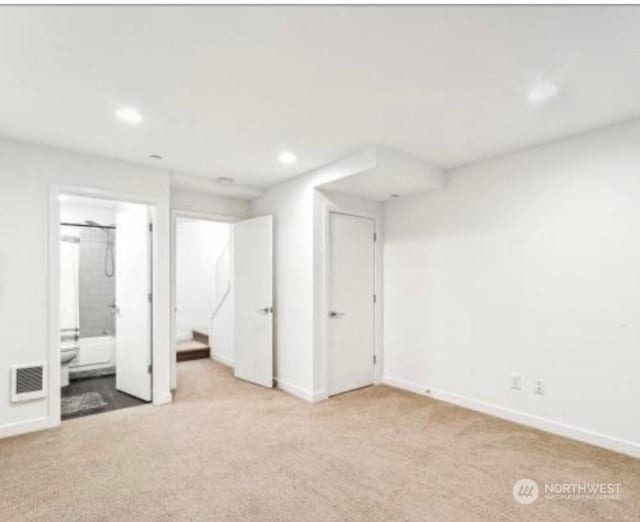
(88, 278)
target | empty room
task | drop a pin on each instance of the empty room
(319, 262)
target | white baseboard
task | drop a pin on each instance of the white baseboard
(18, 428)
(298, 391)
(227, 361)
(403, 385)
(534, 421)
(320, 396)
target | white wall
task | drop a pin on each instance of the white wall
(26, 174)
(221, 331)
(74, 213)
(528, 263)
(291, 205)
(194, 202)
(199, 244)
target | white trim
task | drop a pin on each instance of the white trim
(299, 391)
(166, 398)
(27, 426)
(534, 421)
(227, 361)
(204, 216)
(325, 274)
(175, 214)
(53, 262)
(404, 385)
(320, 395)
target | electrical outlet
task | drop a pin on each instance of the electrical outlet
(516, 381)
(539, 387)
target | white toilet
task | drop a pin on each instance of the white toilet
(68, 352)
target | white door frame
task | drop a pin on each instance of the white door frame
(153, 203)
(175, 214)
(324, 308)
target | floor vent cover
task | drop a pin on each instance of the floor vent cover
(28, 381)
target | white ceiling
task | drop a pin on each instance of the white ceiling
(224, 89)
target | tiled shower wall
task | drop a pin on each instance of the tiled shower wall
(97, 291)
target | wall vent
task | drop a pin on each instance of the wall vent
(28, 382)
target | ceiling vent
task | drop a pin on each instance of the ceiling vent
(28, 382)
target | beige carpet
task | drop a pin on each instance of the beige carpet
(227, 450)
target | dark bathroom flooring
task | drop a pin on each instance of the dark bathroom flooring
(106, 387)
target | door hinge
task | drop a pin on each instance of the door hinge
(150, 369)
(150, 297)
(375, 298)
(375, 237)
(150, 227)
(375, 359)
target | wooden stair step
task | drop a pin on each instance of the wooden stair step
(201, 337)
(190, 350)
(190, 355)
(185, 346)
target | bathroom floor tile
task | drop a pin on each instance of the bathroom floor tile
(106, 387)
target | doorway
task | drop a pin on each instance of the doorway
(105, 282)
(222, 296)
(351, 300)
(204, 302)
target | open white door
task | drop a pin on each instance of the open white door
(133, 303)
(253, 273)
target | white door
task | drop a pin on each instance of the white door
(351, 302)
(133, 304)
(252, 274)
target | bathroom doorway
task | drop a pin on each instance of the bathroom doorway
(105, 305)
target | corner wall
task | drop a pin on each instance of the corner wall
(527, 264)
(293, 206)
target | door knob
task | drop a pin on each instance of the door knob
(333, 313)
(266, 310)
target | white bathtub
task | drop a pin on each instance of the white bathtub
(95, 353)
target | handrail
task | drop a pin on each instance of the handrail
(220, 303)
(224, 252)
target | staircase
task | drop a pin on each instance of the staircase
(198, 348)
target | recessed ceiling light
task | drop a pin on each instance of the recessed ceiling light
(129, 115)
(155, 156)
(224, 181)
(543, 91)
(287, 158)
